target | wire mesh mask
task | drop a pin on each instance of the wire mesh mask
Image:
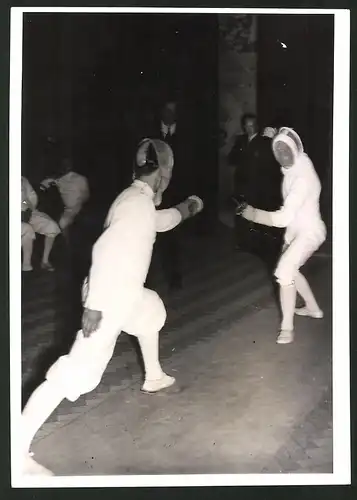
(153, 154)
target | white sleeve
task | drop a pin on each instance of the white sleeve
(292, 204)
(283, 216)
(167, 219)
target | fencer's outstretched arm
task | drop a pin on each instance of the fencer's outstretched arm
(283, 216)
(168, 219)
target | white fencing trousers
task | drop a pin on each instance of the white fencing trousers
(294, 256)
(81, 370)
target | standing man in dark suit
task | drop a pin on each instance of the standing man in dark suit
(266, 242)
(242, 155)
(257, 178)
(170, 130)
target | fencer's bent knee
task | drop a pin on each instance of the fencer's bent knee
(149, 316)
(159, 313)
(284, 276)
(153, 315)
(285, 283)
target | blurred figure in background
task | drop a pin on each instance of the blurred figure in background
(266, 241)
(170, 129)
(242, 157)
(258, 182)
(74, 191)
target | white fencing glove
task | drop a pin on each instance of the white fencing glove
(257, 216)
(190, 207)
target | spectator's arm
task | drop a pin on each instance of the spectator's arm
(31, 196)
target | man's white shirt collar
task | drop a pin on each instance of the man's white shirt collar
(165, 129)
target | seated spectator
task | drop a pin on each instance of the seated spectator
(32, 222)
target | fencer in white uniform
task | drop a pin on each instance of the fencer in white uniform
(114, 295)
(305, 230)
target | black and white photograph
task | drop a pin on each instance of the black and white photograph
(179, 295)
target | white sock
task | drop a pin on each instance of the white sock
(288, 302)
(303, 288)
(40, 406)
(149, 345)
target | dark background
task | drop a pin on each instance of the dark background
(295, 85)
(92, 84)
(104, 77)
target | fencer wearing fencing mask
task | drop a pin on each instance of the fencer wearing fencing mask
(305, 230)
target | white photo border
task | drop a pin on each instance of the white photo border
(341, 328)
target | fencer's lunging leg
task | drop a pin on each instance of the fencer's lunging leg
(72, 375)
(39, 407)
(145, 324)
(155, 378)
(149, 345)
(311, 307)
(287, 302)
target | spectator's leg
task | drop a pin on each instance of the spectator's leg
(27, 239)
(43, 224)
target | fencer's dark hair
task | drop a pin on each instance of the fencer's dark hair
(151, 163)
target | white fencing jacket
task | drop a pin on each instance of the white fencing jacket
(300, 213)
(121, 256)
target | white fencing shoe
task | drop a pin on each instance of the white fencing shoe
(152, 386)
(285, 337)
(304, 311)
